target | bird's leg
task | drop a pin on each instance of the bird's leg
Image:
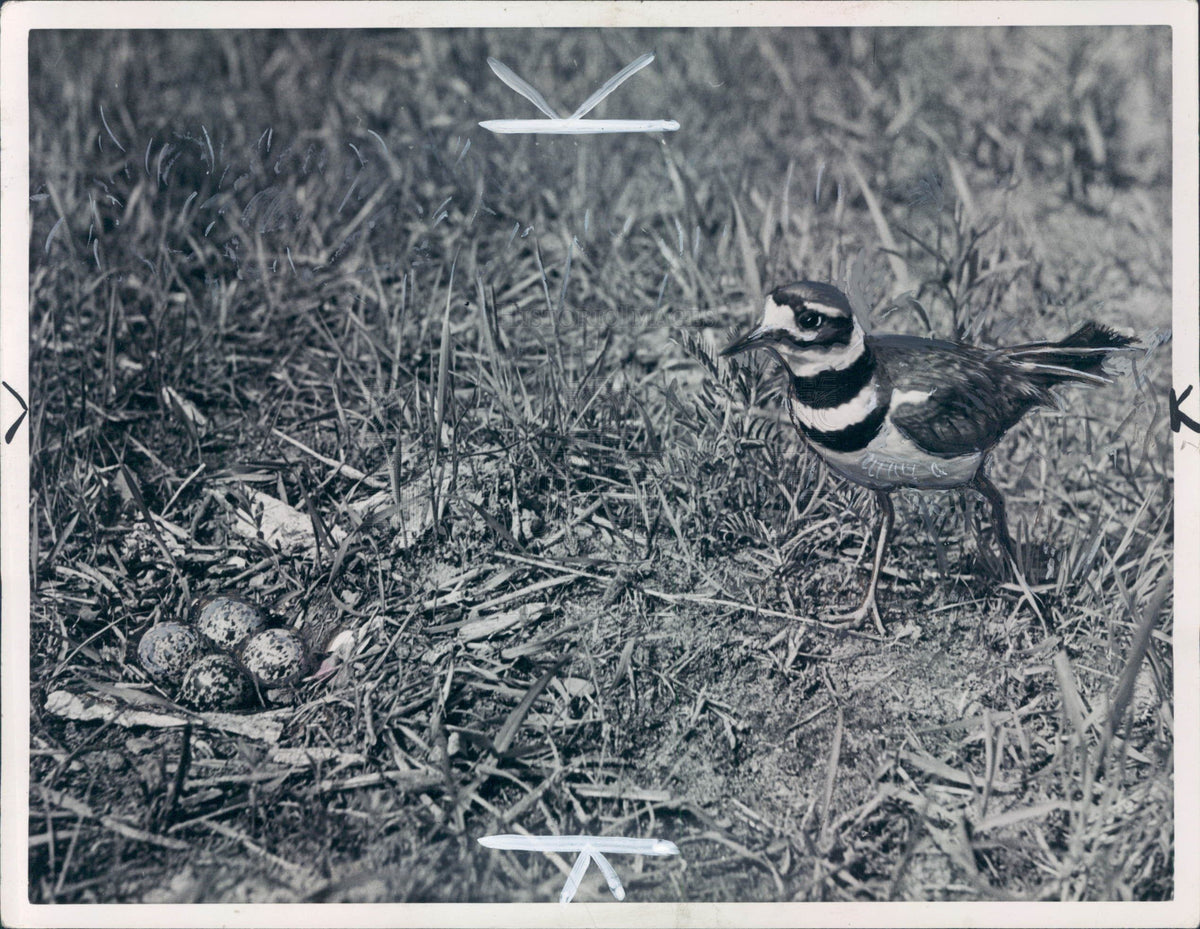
(869, 604)
(993, 496)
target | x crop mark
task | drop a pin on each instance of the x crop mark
(590, 848)
(574, 124)
(12, 430)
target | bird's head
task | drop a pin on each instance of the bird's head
(808, 326)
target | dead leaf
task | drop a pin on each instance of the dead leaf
(279, 524)
(266, 727)
(487, 626)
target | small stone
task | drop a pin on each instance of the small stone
(227, 622)
(215, 682)
(168, 649)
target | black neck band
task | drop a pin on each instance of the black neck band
(834, 387)
(853, 438)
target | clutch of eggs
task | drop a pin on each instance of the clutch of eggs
(218, 658)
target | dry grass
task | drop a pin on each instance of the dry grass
(581, 558)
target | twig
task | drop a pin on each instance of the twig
(338, 466)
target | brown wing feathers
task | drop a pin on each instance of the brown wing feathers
(976, 396)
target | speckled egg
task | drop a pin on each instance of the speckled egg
(227, 622)
(215, 682)
(275, 657)
(167, 650)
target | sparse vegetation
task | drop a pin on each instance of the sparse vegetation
(581, 557)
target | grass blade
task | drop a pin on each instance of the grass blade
(1137, 651)
(439, 400)
(899, 268)
(746, 247)
(508, 732)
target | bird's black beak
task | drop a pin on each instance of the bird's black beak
(761, 337)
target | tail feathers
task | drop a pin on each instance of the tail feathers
(1095, 335)
(1078, 357)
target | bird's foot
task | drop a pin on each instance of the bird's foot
(855, 618)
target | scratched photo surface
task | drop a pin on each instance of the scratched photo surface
(447, 409)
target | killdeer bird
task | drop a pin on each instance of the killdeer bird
(889, 411)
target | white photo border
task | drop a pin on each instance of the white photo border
(16, 21)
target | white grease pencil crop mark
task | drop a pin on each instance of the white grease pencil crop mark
(574, 124)
(590, 847)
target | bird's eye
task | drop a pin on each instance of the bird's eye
(809, 321)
